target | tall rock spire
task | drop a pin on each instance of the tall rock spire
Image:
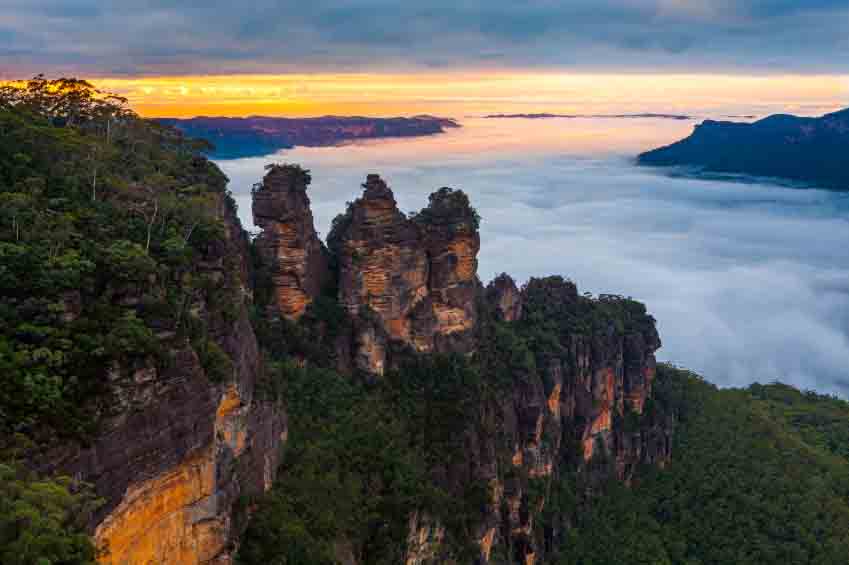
(288, 242)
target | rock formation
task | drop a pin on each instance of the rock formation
(178, 449)
(410, 287)
(573, 408)
(407, 281)
(288, 242)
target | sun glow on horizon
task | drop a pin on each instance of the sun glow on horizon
(458, 94)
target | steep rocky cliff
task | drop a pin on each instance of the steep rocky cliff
(580, 405)
(565, 380)
(182, 440)
(288, 242)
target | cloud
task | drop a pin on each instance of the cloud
(119, 37)
(749, 282)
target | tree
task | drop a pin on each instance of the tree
(41, 520)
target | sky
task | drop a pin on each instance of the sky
(380, 56)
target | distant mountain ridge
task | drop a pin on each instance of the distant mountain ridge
(808, 150)
(255, 136)
(544, 115)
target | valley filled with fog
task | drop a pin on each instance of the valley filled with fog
(749, 281)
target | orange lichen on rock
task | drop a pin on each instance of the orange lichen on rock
(157, 520)
(486, 544)
(230, 422)
(554, 400)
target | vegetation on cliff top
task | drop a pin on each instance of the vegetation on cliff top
(103, 219)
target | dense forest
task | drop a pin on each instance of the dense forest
(96, 200)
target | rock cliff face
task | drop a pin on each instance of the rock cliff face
(410, 287)
(178, 449)
(407, 282)
(580, 406)
(288, 241)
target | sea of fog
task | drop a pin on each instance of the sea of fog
(748, 281)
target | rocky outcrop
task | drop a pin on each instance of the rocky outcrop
(288, 243)
(575, 402)
(407, 281)
(450, 232)
(179, 445)
(580, 407)
(505, 298)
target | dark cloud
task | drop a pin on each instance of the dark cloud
(151, 36)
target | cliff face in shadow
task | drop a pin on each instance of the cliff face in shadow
(807, 150)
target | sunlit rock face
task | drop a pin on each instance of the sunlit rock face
(176, 450)
(408, 281)
(288, 242)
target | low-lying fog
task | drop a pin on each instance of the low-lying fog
(749, 282)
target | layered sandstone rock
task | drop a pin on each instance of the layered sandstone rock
(288, 243)
(176, 450)
(449, 226)
(407, 281)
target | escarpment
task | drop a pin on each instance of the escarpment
(565, 380)
(185, 432)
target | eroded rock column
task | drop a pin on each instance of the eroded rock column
(288, 243)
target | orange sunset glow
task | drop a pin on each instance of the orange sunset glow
(475, 93)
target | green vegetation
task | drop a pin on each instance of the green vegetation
(104, 218)
(449, 206)
(104, 221)
(759, 476)
(359, 460)
(554, 311)
(41, 521)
